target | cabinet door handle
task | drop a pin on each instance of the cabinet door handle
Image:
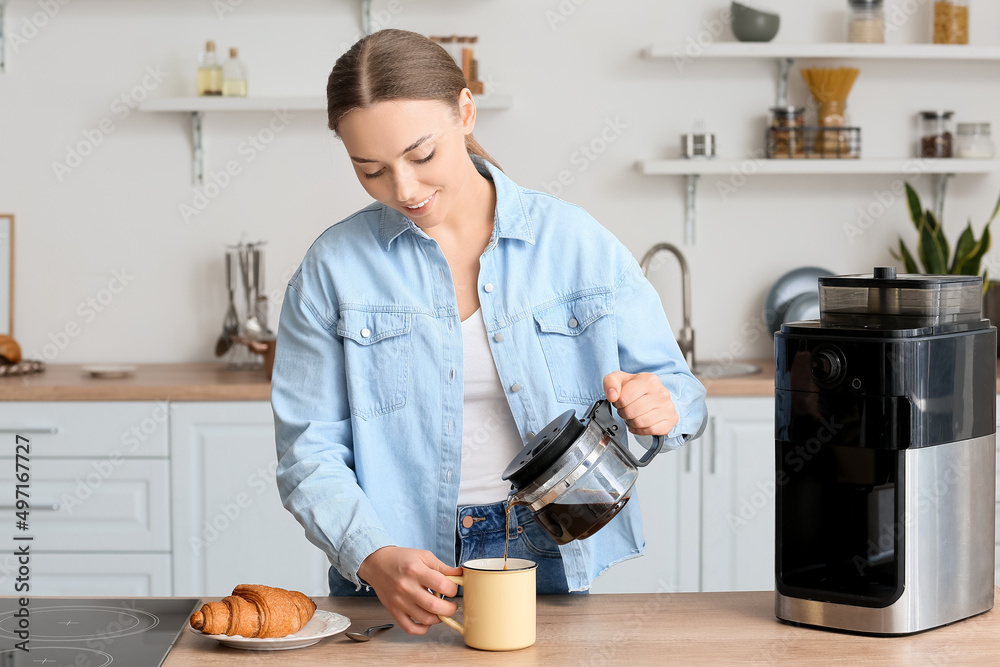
(31, 429)
(711, 451)
(49, 507)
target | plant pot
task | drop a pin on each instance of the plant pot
(991, 304)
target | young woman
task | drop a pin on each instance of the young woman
(426, 337)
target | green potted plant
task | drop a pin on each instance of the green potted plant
(933, 249)
(935, 253)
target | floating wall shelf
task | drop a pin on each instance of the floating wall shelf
(692, 170)
(198, 106)
(785, 55)
(830, 50)
(752, 166)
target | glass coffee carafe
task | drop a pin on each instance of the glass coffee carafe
(575, 475)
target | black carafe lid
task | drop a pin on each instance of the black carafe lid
(544, 449)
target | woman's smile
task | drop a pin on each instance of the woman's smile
(421, 208)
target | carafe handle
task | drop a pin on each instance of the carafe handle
(600, 412)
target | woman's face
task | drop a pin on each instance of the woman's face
(410, 155)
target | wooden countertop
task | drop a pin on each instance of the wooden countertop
(212, 381)
(669, 628)
(208, 381)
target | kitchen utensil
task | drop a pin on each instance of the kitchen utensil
(322, 624)
(576, 475)
(789, 286)
(698, 145)
(366, 635)
(885, 450)
(754, 25)
(250, 327)
(231, 322)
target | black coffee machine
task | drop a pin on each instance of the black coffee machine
(885, 442)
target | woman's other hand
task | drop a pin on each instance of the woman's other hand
(642, 401)
(401, 577)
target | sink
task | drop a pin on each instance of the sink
(714, 370)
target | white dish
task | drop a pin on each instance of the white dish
(322, 624)
(108, 370)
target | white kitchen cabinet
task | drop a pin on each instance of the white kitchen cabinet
(98, 495)
(668, 490)
(708, 508)
(92, 505)
(737, 496)
(229, 526)
(93, 574)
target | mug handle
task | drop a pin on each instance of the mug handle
(448, 620)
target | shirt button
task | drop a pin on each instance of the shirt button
(447, 476)
(488, 287)
(515, 387)
(451, 324)
(451, 375)
(450, 422)
(365, 333)
(498, 337)
(573, 323)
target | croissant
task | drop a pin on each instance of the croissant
(255, 611)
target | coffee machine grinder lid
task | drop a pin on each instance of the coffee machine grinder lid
(884, 300)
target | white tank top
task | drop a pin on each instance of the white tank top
(490, 439)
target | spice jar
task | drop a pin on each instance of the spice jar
(787, 136)
(866, 21)
(951, 21)
(973, 141)
(937, 133)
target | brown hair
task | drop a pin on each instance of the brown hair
(395, 65)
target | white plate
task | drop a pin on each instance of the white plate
(322, 624)
(108, 370)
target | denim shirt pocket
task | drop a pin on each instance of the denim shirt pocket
(580, 346)
(376, 360)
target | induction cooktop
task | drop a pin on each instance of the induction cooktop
(68, 632)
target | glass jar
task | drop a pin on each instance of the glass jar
(787, 137)
(937, 133)
(866, 21)
(973, 141)
(951, 21)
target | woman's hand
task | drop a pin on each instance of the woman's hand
(642, 401)
(401, 578)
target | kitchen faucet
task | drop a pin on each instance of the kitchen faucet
(686, 340)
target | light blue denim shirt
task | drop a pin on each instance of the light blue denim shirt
(367, 382)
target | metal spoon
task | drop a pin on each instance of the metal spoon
(365, 636)
(231, 322)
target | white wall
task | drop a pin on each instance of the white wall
(118, 210)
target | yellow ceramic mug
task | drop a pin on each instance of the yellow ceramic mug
(499, 605)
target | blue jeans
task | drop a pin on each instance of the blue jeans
(484, 538)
